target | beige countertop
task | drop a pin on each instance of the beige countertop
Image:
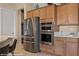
(58, 34)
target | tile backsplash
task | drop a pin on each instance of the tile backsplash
(69, 28)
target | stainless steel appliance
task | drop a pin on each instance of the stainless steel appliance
(26, 28)
(32, 35)
(47, 32)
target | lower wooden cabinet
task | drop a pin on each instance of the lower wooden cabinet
(47, 49)
(71, 49)
(66, 46)
(63, 46)
(59, 45)
(59, 50)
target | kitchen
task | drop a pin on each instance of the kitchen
(59, 28)
(65, 17)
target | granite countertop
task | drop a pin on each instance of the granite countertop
(65, 34)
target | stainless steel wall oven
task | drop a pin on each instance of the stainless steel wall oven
(47, 32)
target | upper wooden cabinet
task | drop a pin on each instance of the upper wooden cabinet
(67, 14)
(61, 15)
(43, 13)
(73, 12)
(36, 13)
(30, 14)
(47, 12)
(50, 12)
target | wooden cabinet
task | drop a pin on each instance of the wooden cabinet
(59, 45)
(67, 14)
(71, 47)
(33, 13)
(73, 13)
(30, 14)
(61, 15)
(66, 46)
(43, 13)
(50, 12)
(47, 49)
(36, 13)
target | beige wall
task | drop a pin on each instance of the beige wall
(7, 5)
(25, 6)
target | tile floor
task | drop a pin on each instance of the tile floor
(19, 51)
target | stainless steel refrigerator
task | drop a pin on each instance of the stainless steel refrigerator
(32, 35)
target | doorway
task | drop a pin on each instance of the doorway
(22, 19)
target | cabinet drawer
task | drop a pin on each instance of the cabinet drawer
(72, 40)
(59, 39)
(59, 43)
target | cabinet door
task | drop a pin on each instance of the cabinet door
(59, 46)
(72, 13)
(43, 13)
(67, 14)
(71, 49)
(36, 13)
(51, 12)
(62, 15)
(30, 14)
